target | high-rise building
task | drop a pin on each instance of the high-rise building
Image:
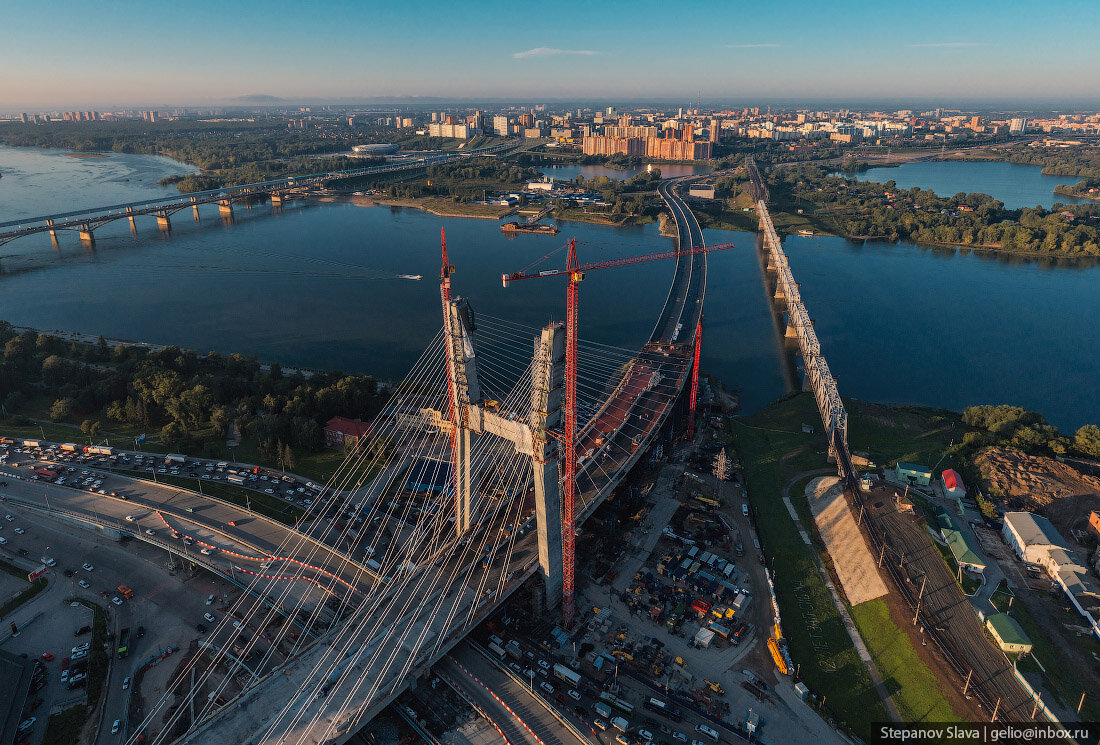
(500, 126)
(1017, 126)
(715, 128)
(23, 117)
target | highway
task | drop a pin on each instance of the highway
(404, 642)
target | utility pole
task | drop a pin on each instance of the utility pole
(920, 598)
(1081, 702)
(996, 709)
(882, 553)
(966, 686)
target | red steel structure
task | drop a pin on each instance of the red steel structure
(575, 273)
(695, 379)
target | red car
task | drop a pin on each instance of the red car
(64, 663)
(47, 656)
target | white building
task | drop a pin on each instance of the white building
(500, 126)
(1032, 537)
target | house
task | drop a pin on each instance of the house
(953, 484)
(341, 432)
(1008, 634)
(962, 546)
(911, 473)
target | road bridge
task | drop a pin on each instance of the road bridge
(86, 221)
(457, 578)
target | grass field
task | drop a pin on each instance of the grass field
(773, 450)
(819, 644)
(913, 687)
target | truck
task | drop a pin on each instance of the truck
(620, 724)
(235, 479)
(174, 458)
(124, 642)
(32, 443)
(70, 447)
(618, 703)
(99, 450)
(497, 650)
(46, 474)
(603, 709)
(561, 672)
(125, 592)
(664, 707)
(513, 649)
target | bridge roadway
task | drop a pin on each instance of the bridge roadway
(373, 671)
(253, 539)
(89, 219)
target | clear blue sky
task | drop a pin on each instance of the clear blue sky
(103, 54)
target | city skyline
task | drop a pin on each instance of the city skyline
(216, 54)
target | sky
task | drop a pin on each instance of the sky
(104, 54)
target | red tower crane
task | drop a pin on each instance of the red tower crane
(575, 273)
(695, 379)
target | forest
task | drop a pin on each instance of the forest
(861, 209)
(184, 399)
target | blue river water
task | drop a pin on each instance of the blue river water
(316, 285)
(1015, 185)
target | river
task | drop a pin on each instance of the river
(1015, 185)
(316, 286)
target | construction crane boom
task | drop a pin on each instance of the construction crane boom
(575, 272)
(624, 261)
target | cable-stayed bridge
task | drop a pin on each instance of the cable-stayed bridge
(457, 497)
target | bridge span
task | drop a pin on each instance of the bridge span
(86, 221)
(347, 676)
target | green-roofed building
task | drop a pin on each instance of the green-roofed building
(962, 546)
(912, 473)
(1010, 637)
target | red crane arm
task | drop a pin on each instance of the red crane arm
(625, 261)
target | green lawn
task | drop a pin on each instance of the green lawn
(819, 644)
(23, 597)
(913, 686)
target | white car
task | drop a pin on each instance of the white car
(130, 518)
(87, 567)
(209, 617)
(3, 540)
(20, 531)
(679, 737)
(645, 735)
(573, 695)
(116, 600)
(80, 655)
(210, 599)
(546, 687)
(82, 647)
(125, 683)
(116, 726)
(150, 531)
(205, 551)
(83, 584)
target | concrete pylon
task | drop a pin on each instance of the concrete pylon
(87, 237)
(130, 217)
(163, 222)
(462, 370)
(546, 410)
(276, 200)
(53, 234)
(195, 208)
(225, 207)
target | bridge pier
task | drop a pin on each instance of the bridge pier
(163, 222)
(87, 237)
(53, 234)
(546, 409)
(792, 331)
(130, 217)
(225, 207)
(277, 200)
(779, 294)
(195, 208)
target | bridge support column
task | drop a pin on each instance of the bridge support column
(276, 200)
(195, 208)
(464, 391)
(87, 237)
(163, 222)
(546, 410)
(779, 294)
(53, 234)
(130, 217)
(792, 331)
(225, 207)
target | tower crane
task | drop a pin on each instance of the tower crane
(575, 273)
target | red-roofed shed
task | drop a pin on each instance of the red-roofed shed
(340, 431)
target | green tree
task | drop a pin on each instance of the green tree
(62, 408)
(1087, 440)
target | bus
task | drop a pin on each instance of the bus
(497, 650)
(617, 703)
(664, 707)
(561, 672)
(45, 474)
(708, 502)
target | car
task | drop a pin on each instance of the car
(623, 739)
(47, 656)
(87, 567)
(20, 531)
(645, 735)
(3, 540)
(711, 733)
(546, 687)
(576, 696)
(9, 518)
(210, 599)
(237, 624)
(130, 518)
(26, 724)
(679, 737)
(529, 673)
(515, 668)
(150, 531)
(125, 683)
(82, 647)
(269, 491)
(83, 583)
(209, 617)
(80, 655)
(544, 664)
(206, 551)
(65, 675)
(599, 724)
(116, 600)
(116, 726)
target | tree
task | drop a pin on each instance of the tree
(86, 426)
(1087, 440)
(62, 408)
(288, 458)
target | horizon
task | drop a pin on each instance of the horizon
(1017, 52)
